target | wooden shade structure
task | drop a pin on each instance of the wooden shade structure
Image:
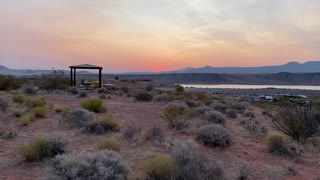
(73, 72)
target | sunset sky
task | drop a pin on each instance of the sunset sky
(157, 35)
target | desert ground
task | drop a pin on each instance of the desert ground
(245, 147)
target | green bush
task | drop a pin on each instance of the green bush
(19, 98)
(42, 147)
(110, 123)
(54, 80)
(93, 104)
(39, 111)
(174, 110)
(160, 167)
(179, 88)
(125, 89)
(108, 144)
(278, 145)
(30, 90)
(27, 119)
(149, 87)
(17, 113)
(9, 82)
(35, 102)
(142, 96)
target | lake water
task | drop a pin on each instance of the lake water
(242, 86)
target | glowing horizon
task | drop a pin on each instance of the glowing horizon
(151, 35)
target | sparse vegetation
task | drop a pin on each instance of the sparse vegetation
(254, 126)
(219, 107)
(213, 135)
(17, 113)
(83, 94)
(214, 117)
(110, 123)
(35, 102)
(125, 89)
(173, 110)
(8, 82)
(132, 131)
(73, 91)
(246, 170)
(42, 147)
(155, 134)
(89, 165)
(249, 114)
(162, 98)
(149, 87)
(77, 118)
(7, 134)
(54, 80)
(160, 167)
(142, 96)
(19, 98)
(108, 144)
(27, 119)
(279, 146)
(179, 88)
(39, 111)
(93, 105)
(30, 90)
(4, 105)
(231, 113)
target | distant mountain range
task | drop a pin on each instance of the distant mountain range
(291, 67)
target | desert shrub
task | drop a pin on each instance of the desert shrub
(30, 90)
(17, 113)
(219, 107)
(83, 94)
(7, 134)
(149, 87)
(39, 111)
(179, 88)
(89, 165)
(73, 91)
(199, 111)
(159, 167)
(204, 99)
(231, 113)
(297, 122)
(245, 171)
(94, 105)
(125, 89)
(19, 98)
(240, 107)
(174, 110)
(102, 96)
(193, 103)
(101, 90)
(162, 98)
(27, 119)
(42, 147)
(58, 108)
(180, 124)
(35, 102)
(4, 105)
(132, 131)
(278, 145)
(254, 126)
(8, 82)
(54, 80)
(191, 164)
(249, 114)
(156, 133)
(108, 144)
(77, 118)
(142, 96)
(213, 135)
(65, 112)
(93, 127)
(109, 123)
(214, 117)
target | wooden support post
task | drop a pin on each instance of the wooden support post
(100, 78)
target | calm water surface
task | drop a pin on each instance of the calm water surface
(242, 86)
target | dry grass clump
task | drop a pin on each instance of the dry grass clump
(249, 114)
(156, 133)
(124, 89)
(245, 171)
(27, 119)
(73, 91)
(7, 134)
(132, 131)
(149, 87)
(159, 167)
(240, 107)
(39, 111)
(17, 113)
(162, 98)
(110, 123)
(193, 103)
(4, 105)
(77, 118)
(206, 100)
(280, 146)
(108, 144)
(42, 147)
(89, 165)
(142, 95)
(213, 135)
(174, 110)
(19, 98)
(93, 105)
(192, 164)
(199, 111)
(214, 117)
(35, 102)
